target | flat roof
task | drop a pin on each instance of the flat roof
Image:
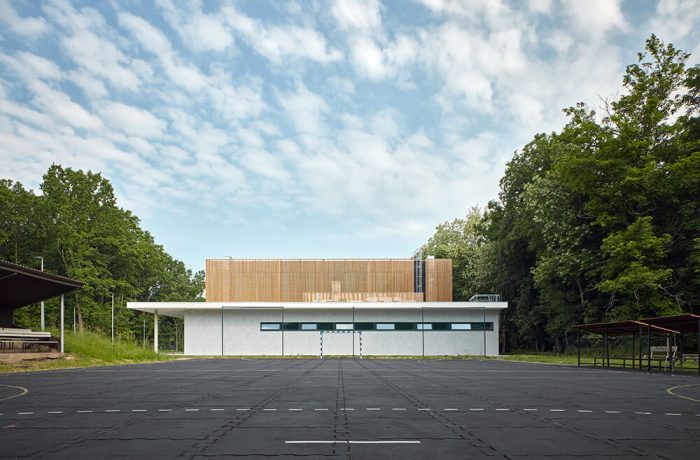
(20, 285)
(177, 309)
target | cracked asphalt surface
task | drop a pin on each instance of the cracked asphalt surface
(348, 408)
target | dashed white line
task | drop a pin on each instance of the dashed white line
(165, 410)
(584, 411)
(320, 408)
(398, 408)
(270, 410)
(25, 413)
(450, 409)
(295, 410)
(138, 410)
(612, 411)
(398, 441)
(531, 410)
(242, 409)
(502, 410)
(476, 409)
(84, 411)
(643, 413)
(347, 408)
(191, 410)
(216, 410)
(557, 410)
(113, 410)
(55, 412)
(424, 408)
(374, 408)
(671, 413)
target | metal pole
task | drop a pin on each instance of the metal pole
(63, 335)
(74, 318)
(422, 327)
(282, 331)
(155, 331)
(43, 321)
(578, 347)
(698, 346)
(112, 294)
(222, 331)
(640, 348)
(353, 331)
(144, 330)
(649, 348)
(633, 352)
(176, 347)
(607, 348)
(484, 326)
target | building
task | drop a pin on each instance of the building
(332, 307)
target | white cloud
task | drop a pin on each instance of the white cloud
(595, 17)
(133, 120)
(675, 19)
(150, 38)
(357, 14)
(197, 30)
(26, 26)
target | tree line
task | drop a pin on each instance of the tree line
(598, 221)
(74, 223)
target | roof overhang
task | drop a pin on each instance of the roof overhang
(177, 309)
(20, 285)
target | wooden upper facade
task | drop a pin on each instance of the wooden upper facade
(328, 280)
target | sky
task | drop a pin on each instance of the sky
(306, 129)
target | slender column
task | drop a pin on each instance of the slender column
(649, 348)
(607, 349)
(155, 331)
(222, 331)
(698, 346)
(640, 348)
(578, 347)
(282, 331)
(63, 335)
(422, 327)
(633, 351)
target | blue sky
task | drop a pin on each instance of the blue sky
(305, 129)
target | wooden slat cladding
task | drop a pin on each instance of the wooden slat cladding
(438, 280)
(299, 280)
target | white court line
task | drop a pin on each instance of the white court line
(25, 413)
(55, 412)
(295, 409)
(191, 410)
(476, 409)
(502, 410)
(557, 410)
(215, 410)
(398, 408)
(321, 408)
(424, 408)
(450, 409)
(374, 408)
(113, 410)
(242, 409)
(165, 410)
(671, 413)
(84, 411)
(270, 410)
(643, 413)
(612, 411)
(353, 442)
(530, 409)
(138, 410)
(584, 411)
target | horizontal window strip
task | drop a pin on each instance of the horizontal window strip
(378, 326)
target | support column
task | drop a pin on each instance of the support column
(607, 349)
(155, 331)
(578, 347)
(649, 348)
(699, 347)
(633, 352)
(640, 348)
(63, 335)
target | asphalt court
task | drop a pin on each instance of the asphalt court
(348, 408)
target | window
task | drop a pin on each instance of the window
(424, 326)
(291, 326)
(385, 326)
(364, 326)
(309, 326)
(270, 326)
(461, 326)
(343, 326)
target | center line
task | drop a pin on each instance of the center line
(667, 413)
(55, 412)
(584, 411)
(191, 410)
(530, 409)
(346, 408)
(353, 442)
(165, 410)
(398, 408)
(215, 409)
(450, 408)
(84, 411)
(643, 413)
(113, 410)
(295, 409)
(242, 409)
(373, 408)
(322, 408)
(476, 409)
(138, 410)
(502, 409)
(612, 411)
(25, 413)
(556, 410)
(424, 408)
(270, 409)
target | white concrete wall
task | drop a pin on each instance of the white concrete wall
(242, 334)
(203, 332)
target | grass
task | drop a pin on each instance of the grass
(89, 349)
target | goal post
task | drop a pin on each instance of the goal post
(341, 332)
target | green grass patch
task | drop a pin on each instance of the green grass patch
(89, 349)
